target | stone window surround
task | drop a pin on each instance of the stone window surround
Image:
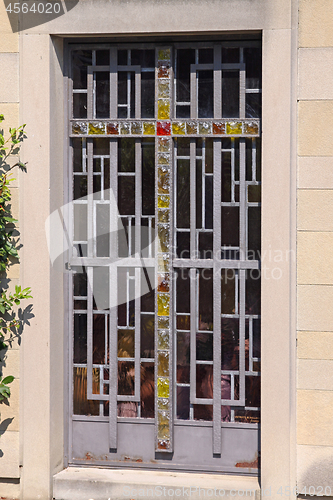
(43, 404)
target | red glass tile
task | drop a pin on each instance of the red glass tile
(112, 128)
(218, 128)
(163, 128)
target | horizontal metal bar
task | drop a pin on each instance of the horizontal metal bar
(222, 264)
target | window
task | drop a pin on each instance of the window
(166, 175)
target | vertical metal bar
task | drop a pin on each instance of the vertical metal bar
(242, 199)
(137, 333)
(113, 292)
(90, 84)
(138, 196)
(217, 438)
(193, 93)
(242, 337)
(251, 344)
(113, 83)
(90, 331)
(90, 199)
(203, 186)
(193, 326)
(217, 82)
(192, 198)
(242, 92)
(254, 159)
(138, 94)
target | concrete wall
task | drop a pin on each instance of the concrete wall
(9, 414)
(314, 242)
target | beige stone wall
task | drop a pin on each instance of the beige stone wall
(9, 414)
(315, 247)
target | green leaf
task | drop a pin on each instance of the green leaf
(8, 380)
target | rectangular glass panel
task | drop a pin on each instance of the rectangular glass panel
(230, 94)
(183, 193)
(205, 94)
(102, 94)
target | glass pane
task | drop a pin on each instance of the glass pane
(204, 381)
(101, 288)
(80, 186)
(126, 155)
(183, 245)
(183, 193)
(252, 288)
(209, 202)
(230, 226)
(148, 177)
(185, 57)
(80, 222)
(228, 288)
(230, 55)
(99, 337)
(80, 105)
(102, 94)
(230, 94)
(147, 390)
(122, 57)
(203, 412)
(122, 91)
(101, 147)
(82, 406)
(81, 59)
(226, 176)
(253, 106)
(183, 291)
(254, 232)
(102, 58)
(198, 194)
(77, 154)
(126, 377)
(80, 338)
(252, 56)
(126, 195)
(80, 284)
(128, 409)
(102, 230)
(206, 56)
(204, 347)
(205, 300)
(144, 58)
(205, 94)
(206, 246)
(230, 344)
(183, 403)
(148, 95)
(147, 336)
(125, 343)
(183, 357)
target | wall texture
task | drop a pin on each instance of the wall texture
(314, 243)
(9, 414)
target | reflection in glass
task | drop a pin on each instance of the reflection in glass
(126, 374)
(81, 405)
(80, 338)
(147, 335)
(183, 357)
(147, 390)
(100, 336)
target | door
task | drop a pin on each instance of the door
(164, 261)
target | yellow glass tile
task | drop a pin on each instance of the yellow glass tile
(163, 322)
(163, 390)
(164, 89)
(163, 201)
(163, 425)
(96, 128)
(163, 180)
(251, 128)
(148, 128)
(191, 128)
(79, 128)
(164, 144)
(163, 263)
(164, 54)
(163, 404)
(124, 128)
(205, 128)
(164, 238)
(163, 109)
(178, 128)
(163, 339)
(136, 128)
(163, 304)
(163, 216)
(234, 127)
(163, 159)
(163, 364)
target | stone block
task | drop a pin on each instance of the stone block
(315, 468)
(315, 374)
(314, 417)
(9, 42)
(315, 128)
(315, 308)
(9, 77)
(315, 23)
(315, 73)
(315, 172)
(315, 345)
(9, 456)
(315, 210)
(10, 412)
(314, 258)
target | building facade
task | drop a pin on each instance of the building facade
(47, 454)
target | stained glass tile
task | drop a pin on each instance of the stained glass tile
(124, 128)
(96, 128)
(163, 263)
(163, 303)
(163, 364)
(79, 128)
(163, 216)
(163, 109)
(163, 404)
(136, 128)
(163, 128)
(164, 145)
(163, 444)
(163, 70)
(205, 128)
(251, 128)
(163, 390)
(234, 127)
(164, 237)
(163, 322)
(163, 159)
(148, 128)
(218, 128)
(112, 128)
(163, 283)
(191, 127)
(178, 128)
(163, 429)
(164, 54)
(163, 339)
(163, 180)
(164, 89)
(163, 201)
